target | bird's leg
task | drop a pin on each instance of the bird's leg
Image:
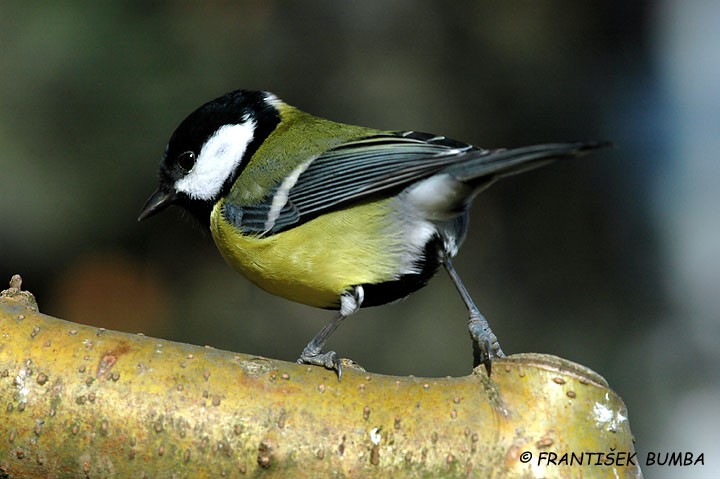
(485, 344)
(313, 354)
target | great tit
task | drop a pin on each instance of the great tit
(333, 215)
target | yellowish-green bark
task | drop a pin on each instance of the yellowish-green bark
(82, 402)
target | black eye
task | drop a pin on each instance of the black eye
(186, 161)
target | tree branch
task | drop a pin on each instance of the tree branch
(81, 402)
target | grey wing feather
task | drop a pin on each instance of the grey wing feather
(382, 164)
(373, 165)
(354, 170)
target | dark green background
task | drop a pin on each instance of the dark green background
(581, 259)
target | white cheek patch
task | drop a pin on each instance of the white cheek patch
(217, 161)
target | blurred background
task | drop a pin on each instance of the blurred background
(612, 261)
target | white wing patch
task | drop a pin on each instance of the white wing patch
(217, 161)
(281, 196)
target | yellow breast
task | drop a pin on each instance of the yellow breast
(319, 260)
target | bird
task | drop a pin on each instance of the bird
(334, 215)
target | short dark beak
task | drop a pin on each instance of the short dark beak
(157, 202)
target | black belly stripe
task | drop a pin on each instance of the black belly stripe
(389, 291)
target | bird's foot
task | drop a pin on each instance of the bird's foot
(315, 357)
(485, 344)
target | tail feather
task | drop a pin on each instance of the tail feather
(501, 163)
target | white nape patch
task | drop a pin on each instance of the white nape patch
(281, 195)
(439, 196)
(271, 99)
(217, 161)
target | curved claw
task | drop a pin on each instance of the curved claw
(485, 344)
(484, 351)
(329, 360)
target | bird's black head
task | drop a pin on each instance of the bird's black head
(209, 150)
